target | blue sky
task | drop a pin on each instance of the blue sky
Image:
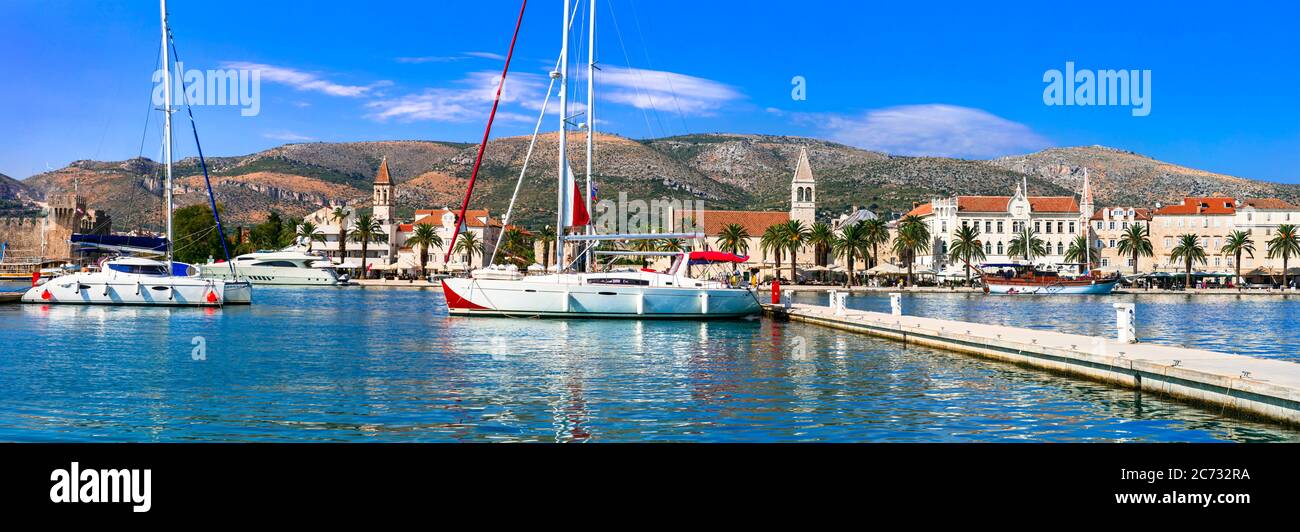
(953, 79)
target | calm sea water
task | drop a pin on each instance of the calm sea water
(358, 364)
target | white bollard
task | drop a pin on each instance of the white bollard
(896, 304)
(786, 302)
(837, 302)
(1126, 322)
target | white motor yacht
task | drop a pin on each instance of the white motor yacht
(276, 268)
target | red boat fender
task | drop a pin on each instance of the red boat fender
(46, 295)
(776, 291)
(212, 296)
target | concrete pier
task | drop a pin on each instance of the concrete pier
(1255, 387)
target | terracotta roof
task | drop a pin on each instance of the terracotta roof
(1138, 214)
(1200, 205)
(474, 217)
(754, 222)
(1001, 203)
(1273, 204)
(382, 177)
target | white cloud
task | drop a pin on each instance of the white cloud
(932, 129)
(305, 81)
(664, 91)
(486, 55)
(467, 101)
(429, 59)
(287, 136)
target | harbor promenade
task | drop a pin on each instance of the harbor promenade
(1254, 387)
(978, 290)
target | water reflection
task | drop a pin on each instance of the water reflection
(390, 365)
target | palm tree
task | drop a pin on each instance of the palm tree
(913, 237)
(1284, 244)
(1238, 242)
(514, 246)
(340, 216)
(1189, 249)
(671, 244)
(425, 236)
(643, 246)
(773, 240)
(821, 237)
(1027, 244)
(876, 233)
(310, 233)
(1080, 253)
(367, 229)
(547, 236)
(470, 246)
(966, 245)
(851, 243)
(1136, 242)
(796, 238)
(733, 239)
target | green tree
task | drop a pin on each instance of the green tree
(367, 229)
(340, 217)
(424, 236)
(966, 246)
(850, 244)
(645, 245)
(270, 234)
(1027, 244)
(796, 236)
(1136, 242)
(1237, 243)
(470, 246)
(514, 247)
(1285, 243)
(913, 237)
(1079, 252)
(821, 238)
(734, 239)
(308, 232)
(196, 238)
(773, 240)
(1189, 249)
(876, 231)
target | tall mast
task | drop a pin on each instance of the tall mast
(591, 113)
(167, 129)
(563, 77)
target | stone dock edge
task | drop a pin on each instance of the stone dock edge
(1269, 393)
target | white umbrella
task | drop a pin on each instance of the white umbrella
(535, 267)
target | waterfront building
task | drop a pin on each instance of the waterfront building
(1056, 220)
(1260, 217)
(377, 253)
(478, 222)
(1107, 226)
(1210, 218)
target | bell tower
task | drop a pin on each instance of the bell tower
(383, 200)
(803, 191)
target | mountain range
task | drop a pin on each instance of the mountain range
(726, 171)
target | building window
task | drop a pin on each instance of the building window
(1060, 227)
(1038, 227)
(999, 247)
(1129, 263)
(988, 226)
(1099, 226)
(1112, 242)
(1112, 226)
(999, 227)
(1123, 225)
(988, 248)
(1105, 261)
(1060, 250)
(1168, 241)
(1071, 227)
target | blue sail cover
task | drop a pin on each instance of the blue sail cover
(121, 242)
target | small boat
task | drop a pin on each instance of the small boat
(276, 268)
(1026, 279)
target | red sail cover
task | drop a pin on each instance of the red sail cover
(697, 257)
(578, 215)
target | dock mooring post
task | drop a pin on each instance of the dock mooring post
(837, 302)
(896, 304)
(1126, 322)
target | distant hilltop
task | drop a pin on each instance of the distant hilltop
(727, 171)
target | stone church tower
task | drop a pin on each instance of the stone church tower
(803, 192)
(383, 200)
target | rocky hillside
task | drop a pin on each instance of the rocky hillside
(1125, 178)
(726, 171)
(14, 198)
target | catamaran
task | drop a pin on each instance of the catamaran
(139, 280)
(636, 294)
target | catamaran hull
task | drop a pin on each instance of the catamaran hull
(1098, 288)
(522, 298)
(186, 292)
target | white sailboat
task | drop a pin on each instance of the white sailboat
(635, 294)
(143, 281)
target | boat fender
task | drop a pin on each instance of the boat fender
(46, 294)
(212, 296)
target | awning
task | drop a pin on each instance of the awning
(886, 268)
(704, 257)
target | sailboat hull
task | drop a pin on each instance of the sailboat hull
(551, 297)
(1073, 287)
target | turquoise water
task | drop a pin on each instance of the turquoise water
(366, 364)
